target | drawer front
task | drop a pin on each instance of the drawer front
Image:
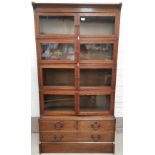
(96, 137)
(58, 136)
(76, 147)
(56, 125)
(76, 137)
(108, 125)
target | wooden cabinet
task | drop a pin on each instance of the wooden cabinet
(77, 47)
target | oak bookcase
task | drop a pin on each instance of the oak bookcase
(77, 47)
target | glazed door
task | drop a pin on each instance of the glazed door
(58, 51)
(56, 25)
(95, 78)
(97, 51)
(95, 103)
(97, 24)
(58, 77)
(56, 102)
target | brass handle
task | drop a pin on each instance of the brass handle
(58, 138)
(59, 125)
(95, 137)
(95, 125)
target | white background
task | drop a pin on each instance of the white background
(137, 44)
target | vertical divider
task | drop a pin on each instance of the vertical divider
(41, 99)
(76, 24)
(77, 103)
(112, 102)
(113, 82)
(36, 18)
(78, 63)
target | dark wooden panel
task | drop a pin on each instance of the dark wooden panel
(76, 147)
(63, 7)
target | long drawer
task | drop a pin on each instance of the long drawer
(80, 125)
(77, 136)
(69, 147)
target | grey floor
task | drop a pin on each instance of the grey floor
(118, 146)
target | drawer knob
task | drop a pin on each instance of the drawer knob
(95, 125)
(95, 137)
(58, 138)
(59, 125)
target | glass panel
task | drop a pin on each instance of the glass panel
(56, 24)
(96, 51)
(95, 103)
(57, 51)
(58, 77)
(97, 25)
(59, 102)
(95, 77)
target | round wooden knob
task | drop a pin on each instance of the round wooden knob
(58, 138)
(59, 125)
(95, 137)
(95, 125)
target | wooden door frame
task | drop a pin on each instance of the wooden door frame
(38, 35)
(57, 92)
(99, 41)
(58, 66)
(65, 41)
(96, 66)
(98, 92)
(112, 14)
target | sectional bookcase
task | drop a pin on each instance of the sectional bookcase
(77, 47)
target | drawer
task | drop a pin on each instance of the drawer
(58, 136)
(77, 136)
(96, 136)
(96, 125)
(57, 125)
(68, 147)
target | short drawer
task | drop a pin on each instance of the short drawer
(56, 125)
(96, 125)
(74, 147)
(96, 136)
(58, 136)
